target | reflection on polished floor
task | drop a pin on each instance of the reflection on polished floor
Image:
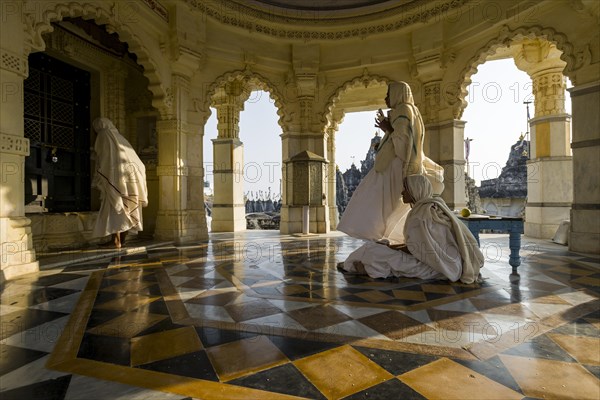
(263, 316)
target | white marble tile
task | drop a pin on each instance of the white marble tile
(576, 298)
(352, 328)
(287, 305)
(281, 320)
(28, 374)
(358, 312)
(64, 304)
(188, 293)
(446, 338)
(83, 387)
(462, 306)
(42, 337)
(180, 280)
(212, 313)
(421, 316)
(546, 310)
(506, 325)
(175, 269)
(75, 284)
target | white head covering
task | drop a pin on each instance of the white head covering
(120, 176)
(428, 208)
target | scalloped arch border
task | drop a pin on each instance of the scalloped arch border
(35, 28)
(365, 79)
(258, 81)
(503, 40)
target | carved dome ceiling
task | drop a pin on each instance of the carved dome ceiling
(326, 19)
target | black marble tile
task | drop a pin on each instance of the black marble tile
(396, 362)
(108, 349)
(579, 327)
(201, 283)
(23, 320)
(162, 326)
(215, 337)
(541, 347)
(401, 302)
(220, 299)
(284, 379)
(494, 369)
(391, 389)
(594, 369)
(100, 316)
(85, 267)
(106, 296)
(152, 290)
(49, 280)
(53, 389)
(12, 357)
(193, 365)
(156, 307)
(299, 348)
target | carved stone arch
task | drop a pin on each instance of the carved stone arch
(252, 79)
(364, 80)
(37, 23)
(457, 98)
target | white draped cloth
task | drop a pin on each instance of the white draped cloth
(376, 210)
(121, 178)
(440, 245)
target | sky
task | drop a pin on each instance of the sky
(495, 116)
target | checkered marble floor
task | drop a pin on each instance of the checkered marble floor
(263, 316)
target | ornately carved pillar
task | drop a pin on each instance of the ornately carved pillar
(180, 218)
(17, 255)
(114, 96)
(229, 211)
(585, 213)
(444, 143)
(304, 138)
(550, 169)
(331, 178)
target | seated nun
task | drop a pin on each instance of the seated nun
(438, 245)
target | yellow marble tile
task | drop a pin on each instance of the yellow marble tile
(550, 299)
(341, 372)
(127, 325)
(164, 345)
(127, 303)
(126, 275)
(409, 295)
(374, 296)
(446, 379)
(236, 359)
(572, 271)
(585, 349)
(444, 289)
(549, 379)
(587, 280)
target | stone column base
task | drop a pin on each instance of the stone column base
(333, 217)
(291, 219)
(17, 256)
(228, 218)
(181, 226)
(542, 221)
(584, 236)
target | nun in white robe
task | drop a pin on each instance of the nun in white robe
(121, 178)
(376, 210)
(438, 244)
